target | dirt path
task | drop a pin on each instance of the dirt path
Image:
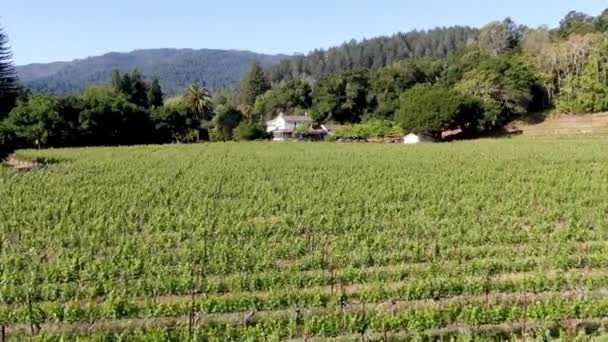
(20, 164)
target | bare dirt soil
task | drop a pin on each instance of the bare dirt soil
(19, 164)
(566, 124)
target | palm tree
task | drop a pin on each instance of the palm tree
(198, 102)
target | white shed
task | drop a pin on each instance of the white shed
(417, 139)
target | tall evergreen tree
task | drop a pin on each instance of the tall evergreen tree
(254, 84)
(139, 90)
(126, 85)
(9, 83)
(155, 94)
(117, 81)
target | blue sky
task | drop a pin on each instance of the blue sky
(52, 30)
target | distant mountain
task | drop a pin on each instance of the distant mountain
(216, 69)
(176, 69)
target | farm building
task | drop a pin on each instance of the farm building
(417, 139)
(283, 127)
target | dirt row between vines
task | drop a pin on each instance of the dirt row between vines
(125, 325)
(352, 289)
(389, 271)
(348, 289)
(491, 331)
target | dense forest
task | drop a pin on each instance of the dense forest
(175, 69)
(374, 53)
(467, 80)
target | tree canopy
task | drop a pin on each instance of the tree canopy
(226, 119)
(342, 98)
(174, 121)
(388, 83)
(497, 37)
(293, 97)
(254, 84)
(430, 110)
(374, 53)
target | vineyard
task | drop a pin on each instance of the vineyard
(483, 240)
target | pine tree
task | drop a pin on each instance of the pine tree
(139, 90)
(253, 85)
(9, 83)
(117, 81)
(155, 94)
(126, 86)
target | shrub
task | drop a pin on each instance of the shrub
(216, 135)
(249, 131)
(372, 128)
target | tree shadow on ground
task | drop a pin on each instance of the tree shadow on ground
(534, 118)
(502, 132)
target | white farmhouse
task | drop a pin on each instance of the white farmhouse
(283, 126)
(417, 139)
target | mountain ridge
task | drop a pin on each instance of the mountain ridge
(218, 69)
(176, 68)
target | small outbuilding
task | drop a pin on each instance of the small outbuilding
(413, 138)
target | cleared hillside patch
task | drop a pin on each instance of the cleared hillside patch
(564, 125)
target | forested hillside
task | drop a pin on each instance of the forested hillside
(507, 72)
(375, 53)
(217, 69)
(175, 68)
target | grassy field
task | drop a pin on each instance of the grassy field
(476, 240)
